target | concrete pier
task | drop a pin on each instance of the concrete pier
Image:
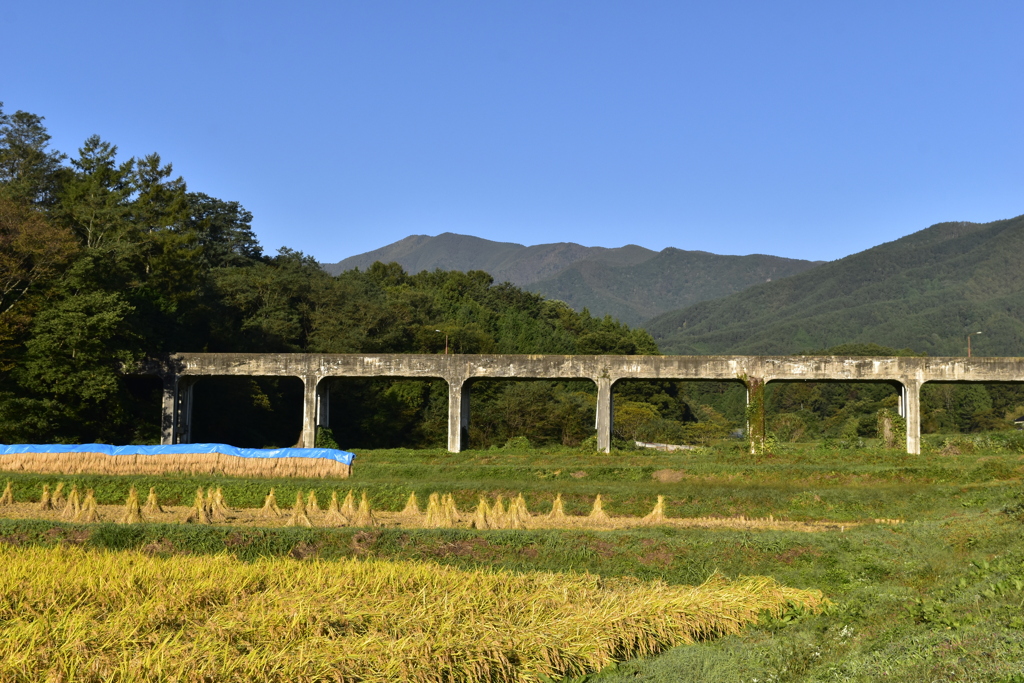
(180, 371)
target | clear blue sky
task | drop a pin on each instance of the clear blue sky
(804, 129)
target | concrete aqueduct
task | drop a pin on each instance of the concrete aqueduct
(180, 371)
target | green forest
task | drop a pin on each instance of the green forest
(105, 261)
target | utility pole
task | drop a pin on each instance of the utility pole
(446, 342)
(969, 342)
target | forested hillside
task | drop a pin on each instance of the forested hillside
(104, 261)
(630, 283)
(926, 291)
(635, 293)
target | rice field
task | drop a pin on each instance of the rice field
(211, 507)
(75, 614)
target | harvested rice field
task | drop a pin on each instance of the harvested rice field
(440, 512)
(920, 559)
(72, 614)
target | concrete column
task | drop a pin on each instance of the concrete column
(901, 402)
(755, 413)
(323, 404)
(458, 415)
(912, 414)
(605, 414)
(309, 411)
(176, 409)
(169, 410)
(185, 394)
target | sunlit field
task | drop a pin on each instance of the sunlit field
(921, 566)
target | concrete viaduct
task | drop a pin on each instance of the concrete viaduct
(180, 371)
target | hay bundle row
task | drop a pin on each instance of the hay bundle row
(306, 509)
(442, 512)
(179, 463)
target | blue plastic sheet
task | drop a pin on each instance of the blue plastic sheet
(343, 457)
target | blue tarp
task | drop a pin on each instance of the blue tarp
(343, 457)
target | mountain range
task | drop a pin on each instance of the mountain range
(630, 283)
(926, 291)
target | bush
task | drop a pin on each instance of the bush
(518, 443)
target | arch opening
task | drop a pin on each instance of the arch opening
(248, 412)
(543, 412)
(384, 413)
(666, 413)
(840, 412)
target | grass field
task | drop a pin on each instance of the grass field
(938, 597)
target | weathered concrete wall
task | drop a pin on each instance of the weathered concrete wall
(179, 371)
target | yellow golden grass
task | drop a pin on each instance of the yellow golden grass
(124, 617)
(183, 463)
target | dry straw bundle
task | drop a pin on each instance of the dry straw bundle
(364, 516)
(482, 516)
(312, 504)
(270, 508)
(45, 502)
(597, 514)
(557, 513)
(657, 515)
(89, 511)
(348, 508)
(8, 496)
(518, 515)
(152, 504)
(299, 516)
(57, 500)
(411, 511)
(498, 518)
(334, 516)
(74, 505)
(132, 509)
(451, 511)
(216, 506)
(183, 463)
(199, 513)
(434, 517)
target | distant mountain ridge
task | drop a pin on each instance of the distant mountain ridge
(630, 283)
(505, 261)
(925, 291)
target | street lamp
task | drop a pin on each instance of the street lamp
(969, 342)
(446, 342)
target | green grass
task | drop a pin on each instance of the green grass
(939, 597)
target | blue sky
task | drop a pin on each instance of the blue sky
(802, 129)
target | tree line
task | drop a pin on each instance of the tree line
(105, 261)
